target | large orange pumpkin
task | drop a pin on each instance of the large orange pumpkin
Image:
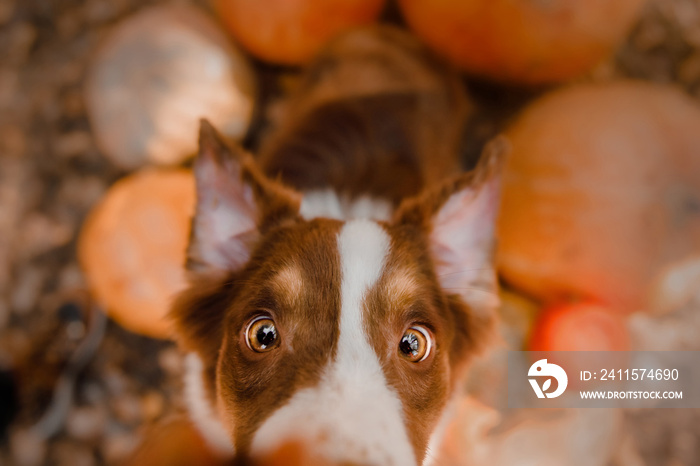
(602, 190)
(522, 41)
(290, 32)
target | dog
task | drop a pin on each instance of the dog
(341, 280)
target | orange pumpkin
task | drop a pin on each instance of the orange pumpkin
(528, 42)
(602, 189)
(290, 32)
(132, 247)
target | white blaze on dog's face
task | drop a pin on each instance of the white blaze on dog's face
(344, 338)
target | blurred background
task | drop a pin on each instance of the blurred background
(99, 102)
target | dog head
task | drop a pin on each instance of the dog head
(345, 338)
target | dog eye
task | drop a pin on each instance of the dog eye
(261, 334)
(416, 344)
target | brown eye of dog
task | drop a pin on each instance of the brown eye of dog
(261, 334)
(416, 344)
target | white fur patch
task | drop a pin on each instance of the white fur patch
(352, 415)
(328, 204)
(200, 409)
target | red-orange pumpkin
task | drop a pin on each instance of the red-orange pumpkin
(602, 189)
(290, 32)
(522, 41)
(582, 326)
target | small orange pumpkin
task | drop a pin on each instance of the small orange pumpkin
(174, 443)
(583, 326)
(290, 32)
(132, 247)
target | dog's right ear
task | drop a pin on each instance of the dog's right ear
(235, 203)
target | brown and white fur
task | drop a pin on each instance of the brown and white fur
(353, 224)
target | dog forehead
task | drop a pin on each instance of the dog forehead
(299, 259)
(302, 263)
(327, 276)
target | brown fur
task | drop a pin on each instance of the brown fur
(374, 103)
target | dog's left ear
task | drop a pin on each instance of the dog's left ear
(459, 220)
(235, 203)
